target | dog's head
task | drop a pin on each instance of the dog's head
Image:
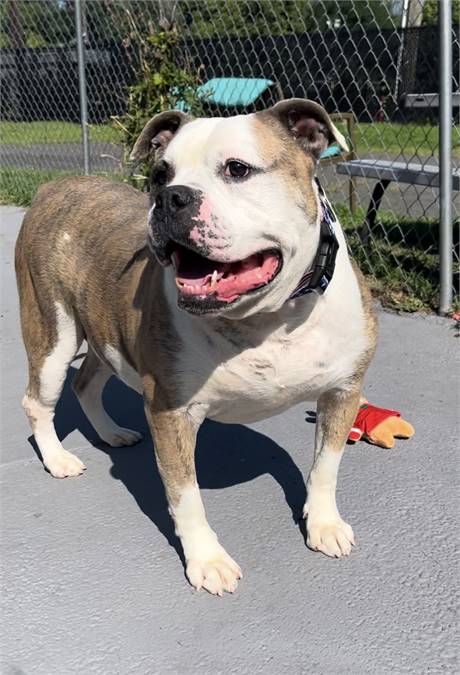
(234, 205)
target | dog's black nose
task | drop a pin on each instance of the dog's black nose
(174, 198)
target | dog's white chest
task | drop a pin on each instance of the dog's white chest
(261, 384)
(265, 380)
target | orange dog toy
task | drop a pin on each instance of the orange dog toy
(379, 426)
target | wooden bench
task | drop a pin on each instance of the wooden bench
(385, 172)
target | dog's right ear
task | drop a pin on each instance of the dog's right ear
(157, 134)
(308, 123)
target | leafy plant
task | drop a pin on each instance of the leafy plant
(161, 84)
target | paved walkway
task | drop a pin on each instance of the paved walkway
(93, 582)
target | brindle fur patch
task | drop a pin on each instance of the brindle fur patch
(174, 437)
(114, 295)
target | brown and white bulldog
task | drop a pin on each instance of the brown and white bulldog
(228, 299)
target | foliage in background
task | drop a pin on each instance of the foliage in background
(209, 18)
(160, 85)
(51, 23)
(431, 9)
(46, 23)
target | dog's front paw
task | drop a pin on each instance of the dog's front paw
(334, 536)
(217, 573)
(63, 464)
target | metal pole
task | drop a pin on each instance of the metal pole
(405, 10)
(82, 86)
(445, 155)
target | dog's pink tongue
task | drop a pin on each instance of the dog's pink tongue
(243, 277)
(225, 281)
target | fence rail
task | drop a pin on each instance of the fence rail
(358, 57)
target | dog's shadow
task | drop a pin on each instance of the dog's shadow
(226, 455)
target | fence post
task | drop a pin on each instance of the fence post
(82, 86)
(445, 155)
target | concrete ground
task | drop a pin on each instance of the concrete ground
(93, 580)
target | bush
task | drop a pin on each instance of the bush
(161, 85)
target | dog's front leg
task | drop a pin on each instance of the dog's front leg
(208, 565)
(326, 531)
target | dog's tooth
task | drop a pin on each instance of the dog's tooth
(214, 279)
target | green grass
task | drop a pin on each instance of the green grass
(18, 186)
(384, 137)
(393, 138)
(31, 133)
(402, 262)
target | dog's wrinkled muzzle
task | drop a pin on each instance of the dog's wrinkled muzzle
(171, 219)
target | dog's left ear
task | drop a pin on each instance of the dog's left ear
(309, 124)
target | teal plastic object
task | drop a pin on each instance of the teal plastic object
(233, 91)
(332, 151)
(228, 91)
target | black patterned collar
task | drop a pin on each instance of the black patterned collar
(318, 277)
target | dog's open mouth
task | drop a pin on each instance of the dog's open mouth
(204, 278)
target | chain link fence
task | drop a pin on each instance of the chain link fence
(371, 61)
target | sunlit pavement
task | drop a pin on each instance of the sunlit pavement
(93, 580)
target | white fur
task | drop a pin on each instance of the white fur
(55, 366)
(326, 531)
(208, 564)
(122, 369)
(57, 460)
(262, 207)
(295, 350)
(309, 346)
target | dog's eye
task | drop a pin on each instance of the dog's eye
(235, 169)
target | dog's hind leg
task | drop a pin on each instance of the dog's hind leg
(88, 385)
(51, 337)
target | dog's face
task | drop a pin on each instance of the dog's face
(234, 206)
